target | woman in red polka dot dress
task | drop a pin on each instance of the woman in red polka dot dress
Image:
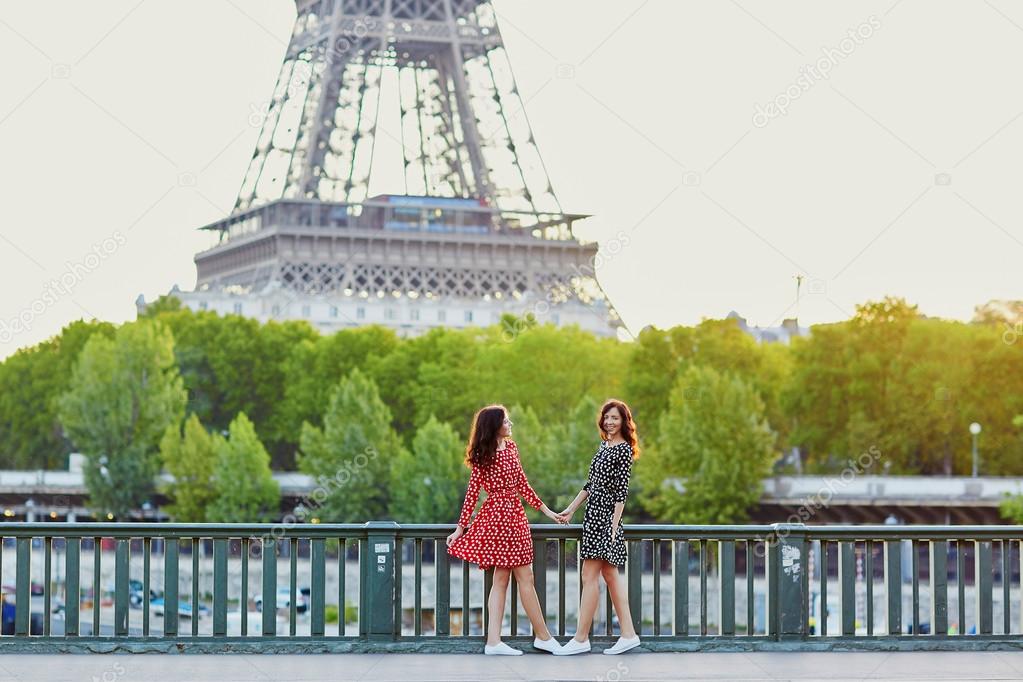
(499, 536)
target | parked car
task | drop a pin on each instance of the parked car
(8, 611)
(184, 608)
(284, 600)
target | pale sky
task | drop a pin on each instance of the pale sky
(124, 126)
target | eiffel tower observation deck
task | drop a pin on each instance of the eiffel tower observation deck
(476, 230)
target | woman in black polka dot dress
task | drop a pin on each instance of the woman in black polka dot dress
(603, 547)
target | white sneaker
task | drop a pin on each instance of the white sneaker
(550, 645)
(622, 645)
(573, 647)
(500, 649)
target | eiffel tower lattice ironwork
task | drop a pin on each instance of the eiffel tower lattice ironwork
(455, 89)
(476, 232)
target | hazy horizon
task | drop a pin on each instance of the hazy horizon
(128, 125)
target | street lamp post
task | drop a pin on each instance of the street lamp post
(975, 431)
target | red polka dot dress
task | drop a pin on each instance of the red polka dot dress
(499, 535)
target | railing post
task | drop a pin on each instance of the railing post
(634, 571)
(847, 585)
(72, 588)
(170, 586)
(983, 584)
(442, 612)
(317, 593)
(377, 610)
(939, 587)
(121, 597)
(893, 585)
(22, 605)
(268, 551)
(726, 592)
(220, 588)
(787, 564)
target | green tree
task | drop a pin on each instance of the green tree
(660, 357)
(427, 481)
(243, 486)
(350, 456)
(713, 450)
(1011, 508)
(189, 457)
(550, 369)
(124, 393)
(31, 382)
(312, 367)
(233, 364)
(558, 455)
(164, 304)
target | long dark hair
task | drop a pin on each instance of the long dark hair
(628, 426)
(482, 447)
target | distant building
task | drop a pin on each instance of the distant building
(789, 328)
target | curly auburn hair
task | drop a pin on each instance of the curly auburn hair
(628, 425)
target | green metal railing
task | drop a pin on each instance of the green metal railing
(687, 585)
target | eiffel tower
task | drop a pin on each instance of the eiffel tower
(477, 231)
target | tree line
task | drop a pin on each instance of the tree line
(380, 421)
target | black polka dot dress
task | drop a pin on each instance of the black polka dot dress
(608, 483)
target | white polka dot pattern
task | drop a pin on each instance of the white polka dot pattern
(608, 483)
(499, 535)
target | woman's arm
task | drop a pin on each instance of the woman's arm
(526, 490)
(621, 488)
(472, 496)
(532, 498)
(579, 499)
(616, 518)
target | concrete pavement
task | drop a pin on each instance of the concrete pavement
(632, 667)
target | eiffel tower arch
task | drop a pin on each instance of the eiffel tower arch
(477, 230)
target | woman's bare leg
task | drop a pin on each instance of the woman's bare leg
(495, 604)
(530, 602)
(620, 599)
(588, 599)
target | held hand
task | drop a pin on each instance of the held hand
(551, 515)
(454, 536)
(567, 515)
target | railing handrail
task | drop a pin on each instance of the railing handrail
(133, 529)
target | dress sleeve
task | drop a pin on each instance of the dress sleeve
(472, 495)
(525, 489)
(589, 474)
(621, 490)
